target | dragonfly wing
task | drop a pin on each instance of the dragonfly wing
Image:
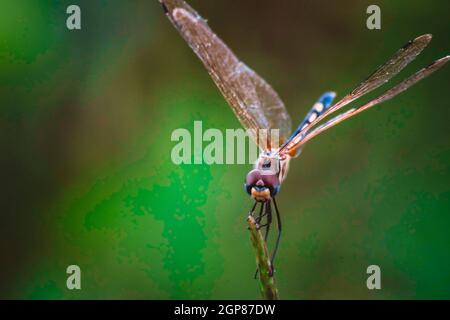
(387, 71)
(389, 94)
(382, 75)
(254, 102)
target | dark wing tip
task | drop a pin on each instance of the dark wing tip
(163, 5)
(423, 40)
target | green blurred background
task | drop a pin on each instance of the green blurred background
(85, 124)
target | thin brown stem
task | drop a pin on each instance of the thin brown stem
(266, 276)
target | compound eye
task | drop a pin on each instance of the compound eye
(252, 177)
(271, 180)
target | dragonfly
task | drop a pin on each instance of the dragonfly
(258, 107)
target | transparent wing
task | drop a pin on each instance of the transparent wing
(389, 94)
(254, 102)
(382, 75)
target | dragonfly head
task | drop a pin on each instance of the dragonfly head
(262, 186)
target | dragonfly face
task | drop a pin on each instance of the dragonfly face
(263, 182)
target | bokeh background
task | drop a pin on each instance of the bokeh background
(85, 124)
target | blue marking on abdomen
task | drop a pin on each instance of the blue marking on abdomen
(325, 99)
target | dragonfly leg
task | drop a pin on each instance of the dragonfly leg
(252, 210)
(261, 215)
(268, 212)
(266, 235)
(279, 234)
